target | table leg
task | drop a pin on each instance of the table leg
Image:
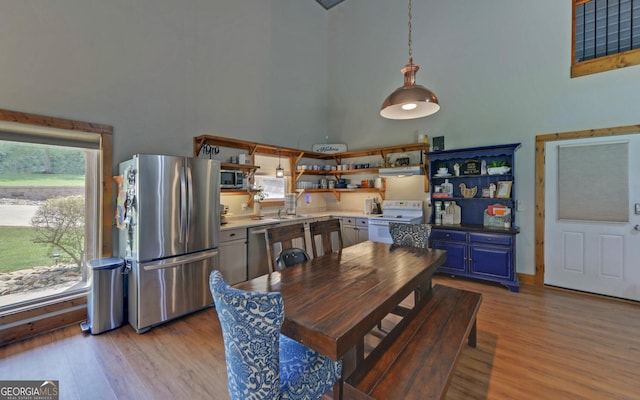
(422, 291)
(352, 358)
(337, 390)
(350, 361)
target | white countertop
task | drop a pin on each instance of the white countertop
(249, 222)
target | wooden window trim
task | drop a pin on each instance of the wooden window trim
(606, 63)
(48, 315)
(600, 64)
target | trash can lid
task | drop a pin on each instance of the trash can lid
(106, 263)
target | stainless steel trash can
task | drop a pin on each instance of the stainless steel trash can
(105, 304)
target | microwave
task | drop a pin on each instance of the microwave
(231, 179)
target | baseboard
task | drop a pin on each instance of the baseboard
(528, 279)
(23, 324)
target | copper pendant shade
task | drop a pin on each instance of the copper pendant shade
(411, 100)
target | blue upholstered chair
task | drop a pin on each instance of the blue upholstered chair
(410, 235)
(262, 363)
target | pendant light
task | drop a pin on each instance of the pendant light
(411, 100)
(279, 170)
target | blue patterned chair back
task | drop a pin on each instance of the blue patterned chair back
(261, 362)
(410, 235)
(250, 328)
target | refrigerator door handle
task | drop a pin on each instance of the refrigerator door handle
(189, 178)
(176, 261)
(183, 206)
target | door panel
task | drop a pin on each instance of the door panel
(159, 200)
(594, 256)
(492, 261)
(456, 254)
(203, 211)
(167, 289)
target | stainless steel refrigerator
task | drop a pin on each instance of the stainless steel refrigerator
(169, 220)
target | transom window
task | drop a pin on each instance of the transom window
(606, 35)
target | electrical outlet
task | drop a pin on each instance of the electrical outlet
(637, 208)
(519, 206)
(245, 207)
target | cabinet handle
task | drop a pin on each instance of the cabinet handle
(232, 235)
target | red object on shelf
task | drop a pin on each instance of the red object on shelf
(497, 210)
(441, 195)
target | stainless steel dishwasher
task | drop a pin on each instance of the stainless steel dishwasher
(257, 264)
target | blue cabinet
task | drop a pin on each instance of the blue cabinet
(487, 256)
(474, 250)
(455, 243)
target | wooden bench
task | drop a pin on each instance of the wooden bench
(417, 359)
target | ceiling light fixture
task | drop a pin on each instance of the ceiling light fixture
(279, 170)
(411, 100)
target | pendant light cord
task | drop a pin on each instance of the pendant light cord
(410, 51)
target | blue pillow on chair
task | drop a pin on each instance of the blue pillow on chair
(262, 363)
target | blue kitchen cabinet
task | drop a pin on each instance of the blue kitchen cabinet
(455, 243)
(486, 256)
(473, 249)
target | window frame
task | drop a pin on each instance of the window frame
(32, 318)
(601, 64)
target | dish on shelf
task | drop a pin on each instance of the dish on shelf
(442, 175)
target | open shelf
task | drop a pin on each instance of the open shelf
(337, 192)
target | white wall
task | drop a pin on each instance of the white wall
(500, 69)
(163, 71)
(288, 72)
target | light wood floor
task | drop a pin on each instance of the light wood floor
(536, 344)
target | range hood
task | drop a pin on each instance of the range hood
(401, 171)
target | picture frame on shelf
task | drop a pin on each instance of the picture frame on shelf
(503, 190)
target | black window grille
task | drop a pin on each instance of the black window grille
(605, 27)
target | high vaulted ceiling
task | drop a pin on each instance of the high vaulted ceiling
(329, 3)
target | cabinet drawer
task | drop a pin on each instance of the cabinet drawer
(348, 221)
(362, 222)
(448, 235)
(503, 240)
(233, 234)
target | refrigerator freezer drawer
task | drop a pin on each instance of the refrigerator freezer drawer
(163, 290)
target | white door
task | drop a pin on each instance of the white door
(602, 255)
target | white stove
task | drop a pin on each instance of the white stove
(401, 211)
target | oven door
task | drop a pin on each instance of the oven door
(379, 231)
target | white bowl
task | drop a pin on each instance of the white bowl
(498, 170)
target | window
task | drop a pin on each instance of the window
(47, 215)
(606, 35)
(265, 177)
(79, 146)
(274, 188)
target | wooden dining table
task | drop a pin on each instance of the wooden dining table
(331, 302)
